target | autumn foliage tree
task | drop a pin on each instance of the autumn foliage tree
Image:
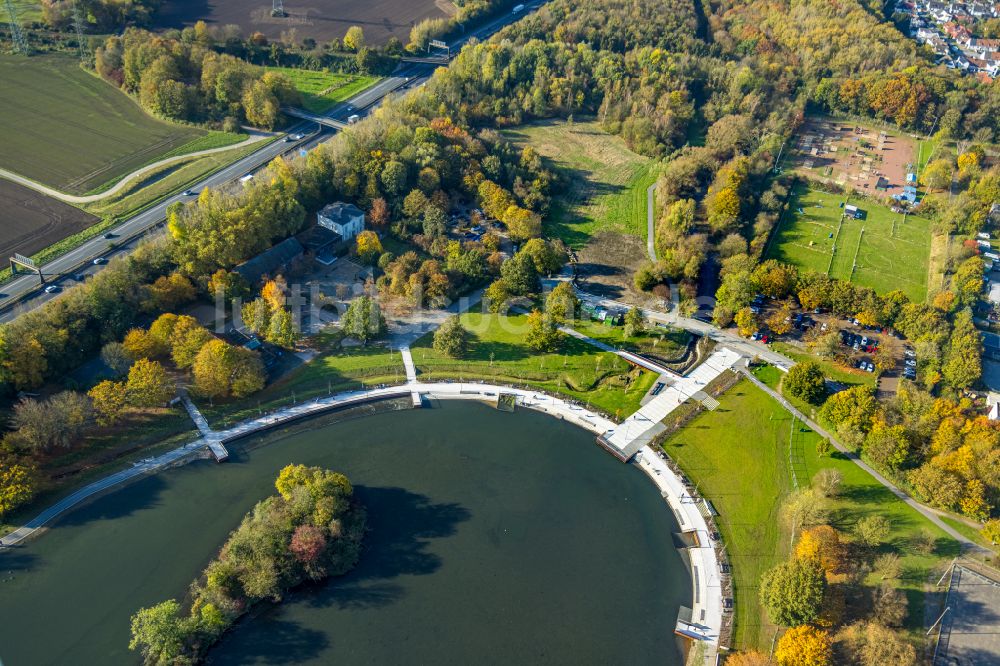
(804, 646)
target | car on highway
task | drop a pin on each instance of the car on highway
(99, 261)
(52, 289)
(109, 236)
(189, 193)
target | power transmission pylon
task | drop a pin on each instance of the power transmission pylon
(277, 8)
(16, 35)
(78, 25)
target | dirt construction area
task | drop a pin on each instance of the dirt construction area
(871, 161)
(322, 20)
(30, 221)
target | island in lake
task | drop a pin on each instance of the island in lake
(310, 530)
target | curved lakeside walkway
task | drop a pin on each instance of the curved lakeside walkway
(706, 607)
(256, 136)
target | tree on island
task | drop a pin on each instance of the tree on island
(310, 530)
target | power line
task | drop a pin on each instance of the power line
(16, 34)
(78, 25)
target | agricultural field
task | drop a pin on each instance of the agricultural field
(75, 132)
(30, 221)
(321, 90)
(322, 20)
(747, 456)
(606, 182)
(884, 250)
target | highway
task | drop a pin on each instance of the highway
(25, 292)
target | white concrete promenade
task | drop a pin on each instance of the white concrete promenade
(707, 594)
(639, 429)
(706, 609)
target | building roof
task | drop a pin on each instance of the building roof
(270, 261)
(340, 212)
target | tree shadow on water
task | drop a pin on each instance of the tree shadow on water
(401, 527)
(16, 560)
(277, 642)
(117, 503)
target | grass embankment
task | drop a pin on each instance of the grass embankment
(666, 343)
(141, 435)
(606, 182)
(742, 457)
(76, 132)
(334, 370)
(499, 354)
(884, 251)
(166, 181)
(321, 90)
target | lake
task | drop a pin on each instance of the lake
(494, 537)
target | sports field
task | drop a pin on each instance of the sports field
(606, 182)
(321, 90)
(884, 250)
(70, 130)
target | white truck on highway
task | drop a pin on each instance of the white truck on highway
(517, 9)
(353, 119)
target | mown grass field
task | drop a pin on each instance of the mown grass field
(321, 90)
(74, 131)
(498, 354)
(742, 457)
(332, 371)
(606, 182)
(884, 251)
(28, 11)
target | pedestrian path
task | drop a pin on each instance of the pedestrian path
(411, 369)
(637, 430)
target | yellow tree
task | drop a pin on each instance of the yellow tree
(17, 484)
(140, 344)
(823, 544)
(148, 384)
(110, 399)
(746, 321)
(804, 646)
(274, 293)
(781, 320)
(368, 246)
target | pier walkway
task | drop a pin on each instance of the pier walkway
(625, 439)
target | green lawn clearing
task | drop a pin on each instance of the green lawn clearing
(333, 371)
(746, 456)
(76, 132)
(884, 251)
(28, 11)
(321, 90)
(498, 354)
(605, 181)
(665, 343)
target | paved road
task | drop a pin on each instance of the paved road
(25, 293)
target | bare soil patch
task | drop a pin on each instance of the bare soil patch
(868, 160)
(320, 19)
(605, 266)
(30, 221)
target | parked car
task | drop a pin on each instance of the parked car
(765, 339)
(910, 363)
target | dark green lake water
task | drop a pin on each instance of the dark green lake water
(495, 538)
